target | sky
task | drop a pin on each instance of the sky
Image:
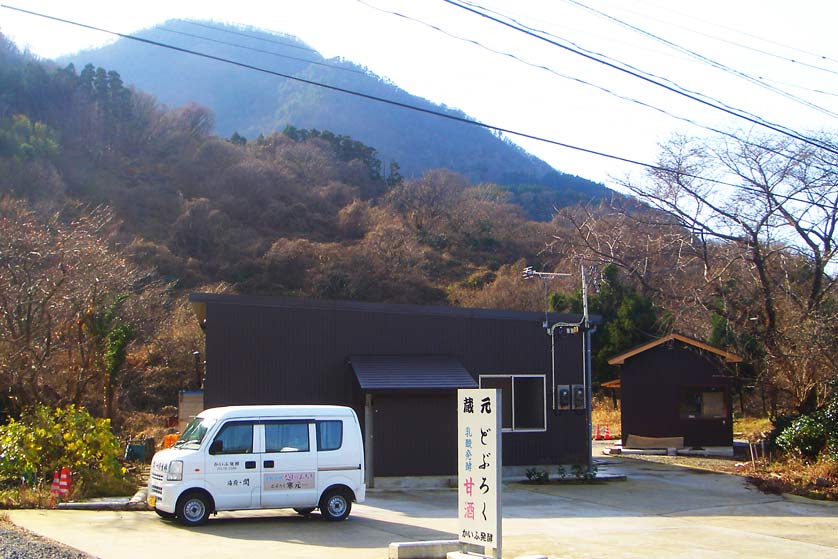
(714, 49)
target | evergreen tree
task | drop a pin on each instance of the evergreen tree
(629, 319)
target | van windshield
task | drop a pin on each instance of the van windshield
(195, 432)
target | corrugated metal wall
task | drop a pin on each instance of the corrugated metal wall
(265, 352)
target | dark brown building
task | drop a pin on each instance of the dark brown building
(399, 367)
(676, 387)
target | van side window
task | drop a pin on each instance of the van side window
(233, 438)
(286, 436)
(329, 435)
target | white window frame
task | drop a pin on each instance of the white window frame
(512, 383)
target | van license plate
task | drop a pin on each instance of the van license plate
(152, 499)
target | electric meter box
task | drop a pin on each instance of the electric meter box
(578, 396)
(564, 396)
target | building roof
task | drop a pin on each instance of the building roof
(621, 359)
(410, 372)
(200, 300)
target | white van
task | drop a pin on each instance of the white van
(261, 457)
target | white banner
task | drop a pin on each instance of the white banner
(479, 461)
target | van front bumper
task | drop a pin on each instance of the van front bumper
(162, 495)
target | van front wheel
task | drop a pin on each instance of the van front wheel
(335, 505)
(193, 509)
(165, 515)
(305, 511)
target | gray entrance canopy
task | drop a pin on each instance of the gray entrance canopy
(410, 372)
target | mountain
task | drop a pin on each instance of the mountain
(299, 212)
(251, 102)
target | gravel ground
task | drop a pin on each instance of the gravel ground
(17, 543)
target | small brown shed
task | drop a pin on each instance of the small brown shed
(676, 387)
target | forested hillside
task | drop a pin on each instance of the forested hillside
(114, 206)
(251, 103)
(137, 204)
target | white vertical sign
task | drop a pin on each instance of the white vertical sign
(479, 461)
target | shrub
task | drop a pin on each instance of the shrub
(580, 471)
(829, 419)
(46, 439)
(805, 436)
(809, 436)
(537, 476)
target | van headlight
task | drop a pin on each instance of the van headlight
(175, 471)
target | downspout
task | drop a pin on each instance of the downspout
(369, 418)
(552, 331)
(589, 396)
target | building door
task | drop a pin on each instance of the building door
(415, 434)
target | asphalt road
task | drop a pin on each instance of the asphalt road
(661, 511)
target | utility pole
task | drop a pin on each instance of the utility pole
(585, 326)
(587, 359)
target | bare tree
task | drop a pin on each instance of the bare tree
(760, 216)
(58, 279)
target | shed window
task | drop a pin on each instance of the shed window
(703, 402)
(523, 400)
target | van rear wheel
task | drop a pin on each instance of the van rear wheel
(335, 505)
(193, 509)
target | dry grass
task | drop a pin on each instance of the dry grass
(26, 497)
(751, 428)
(818, 480)
(604, 412)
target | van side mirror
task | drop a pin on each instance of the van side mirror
(217, 447)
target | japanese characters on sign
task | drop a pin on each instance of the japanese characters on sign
(288, 481)
(226, 465)
(479, 460)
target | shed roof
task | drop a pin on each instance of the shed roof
(410, 372)
(621, 359)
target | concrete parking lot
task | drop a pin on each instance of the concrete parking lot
(659, 512)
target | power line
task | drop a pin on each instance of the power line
(621, 65)
(556, 73)
(641, 103)
(704, 59)
(668, 8)
(644, 75)
(742, 45)
(537, 66)
(342, 90)
(400, 104)
(760, 122)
